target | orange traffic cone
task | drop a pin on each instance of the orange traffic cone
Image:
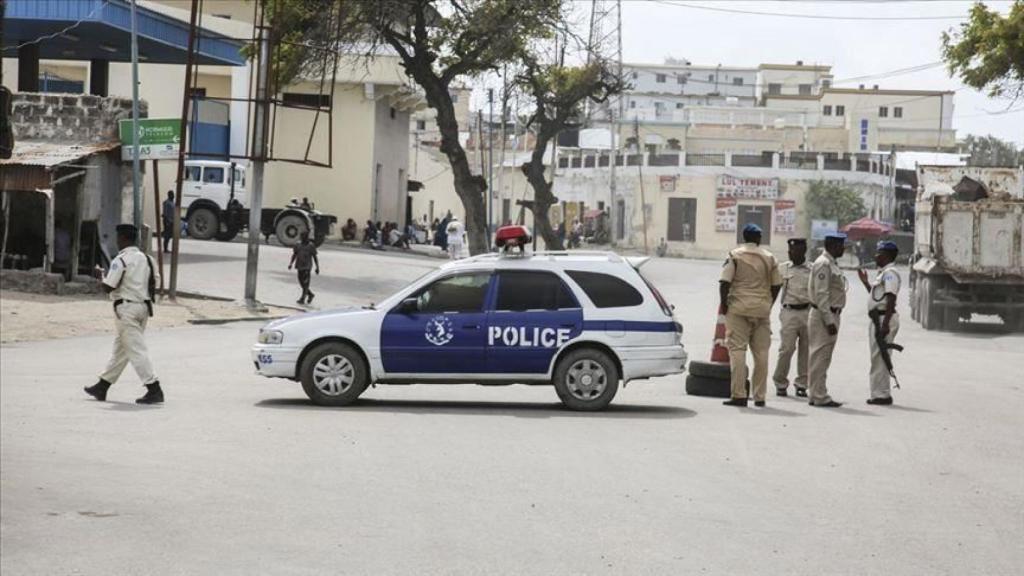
(719, 353)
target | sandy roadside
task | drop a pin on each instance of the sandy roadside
(25, 316)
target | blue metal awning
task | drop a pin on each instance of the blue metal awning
(101, 30)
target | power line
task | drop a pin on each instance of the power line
(807, 16)
(60, 32)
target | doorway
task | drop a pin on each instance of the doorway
(760, 215)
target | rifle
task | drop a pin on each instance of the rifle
(883, 346)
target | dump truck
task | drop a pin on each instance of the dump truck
(968, 246)
(216, 207)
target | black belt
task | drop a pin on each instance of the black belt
(796, 306)
(834, 310)
(119, 301)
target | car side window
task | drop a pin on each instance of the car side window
(605, 290)
(192, 173)
(461, 293)
(213, 175)
(523, 290)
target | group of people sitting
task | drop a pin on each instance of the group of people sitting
(378, 236)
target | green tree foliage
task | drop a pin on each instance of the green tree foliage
(988, 51)
(833, 201)
(991, 151)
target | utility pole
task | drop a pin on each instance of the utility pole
(189, 63)
(490, 159)
(640, 173)
(259, 153)
(136, 137)
(501, 157)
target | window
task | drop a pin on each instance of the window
(392, 112)
(213, 175)
(462, 293)
(192, 173)
(840, 110)
(308, 100)
(421, 125)
(774, 89)
(679, 105)
(632, 103)
(711, 77)
(682, 219)
(635, 75)
(883, 111)
(455, 97)
(826, 83)
(826, 110)
(805, 89)
(197, 93)
(521, 290)
(606, 291)
(681, 79)
(659, 78)
(239, 178)
(897, 112)
(737, 81)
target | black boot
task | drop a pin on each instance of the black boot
(98, 390)
(741, 402)
(154, 395)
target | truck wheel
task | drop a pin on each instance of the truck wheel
(333, 374)
(950, 318)
(226, 233)
(929, 310)
(586, 379)
(718, 370)
(289, 229)
(319, 239)
(203, 224)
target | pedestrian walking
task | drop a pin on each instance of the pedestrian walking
(748, 287)
(131, 283)
(796, 306)
(303, 258)
(827, 288)
(885, 322)
(167, 213)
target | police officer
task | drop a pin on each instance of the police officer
(131, 283)
(882, 292)
(796, 305)
(827, 288)
(748, 287)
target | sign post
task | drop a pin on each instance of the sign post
(159, 139)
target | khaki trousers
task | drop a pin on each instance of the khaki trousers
(880, 384)
(130, 344)
(741, 332)
(792, 338)
(821, 345)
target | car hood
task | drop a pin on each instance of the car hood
(313, 318)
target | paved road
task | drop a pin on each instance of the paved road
(240, 475)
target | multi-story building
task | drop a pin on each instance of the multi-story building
(792, 80)
(660, 92)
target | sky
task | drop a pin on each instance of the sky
(653, 30)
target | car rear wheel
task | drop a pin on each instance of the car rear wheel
(586, 379)
(333, 374)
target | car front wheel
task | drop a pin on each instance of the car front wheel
(586, 379)
(333, 374)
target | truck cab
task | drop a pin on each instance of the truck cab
(214, 180)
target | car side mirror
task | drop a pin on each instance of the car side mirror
(409, 305)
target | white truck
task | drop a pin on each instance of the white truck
(969, 246)
(216, 205)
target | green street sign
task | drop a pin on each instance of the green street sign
(158, 138)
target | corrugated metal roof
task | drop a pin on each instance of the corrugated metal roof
(49, 154)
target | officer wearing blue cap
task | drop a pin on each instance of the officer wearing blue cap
(748, 287)
(827, 289)
(883, 291)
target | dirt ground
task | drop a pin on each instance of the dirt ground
(25, 317)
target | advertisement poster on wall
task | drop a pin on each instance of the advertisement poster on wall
(668, 183)
(754, 188)
(725, 215)
(785, 216)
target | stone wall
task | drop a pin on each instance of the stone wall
(69, 118)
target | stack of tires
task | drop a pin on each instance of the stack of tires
(709, 379)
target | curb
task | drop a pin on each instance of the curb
(220, 321)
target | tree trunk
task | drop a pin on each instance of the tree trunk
(543, 199)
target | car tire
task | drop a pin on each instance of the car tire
(586, 379)
(289, 229)
(718, 370)
(333, 374)
(707, 386)
(202, 224)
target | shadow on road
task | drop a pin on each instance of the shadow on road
(194, 258)
(518, 409)
(129, 406)
(769, 411)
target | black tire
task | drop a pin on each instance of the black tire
(319, 239)
(350, 366)
(203, 224)
(226, 233)
(950, 318)
(930, 313)
(586, 379)
(289, 229)
(705, 386)
(719, 370)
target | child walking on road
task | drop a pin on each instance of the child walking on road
(303, 259)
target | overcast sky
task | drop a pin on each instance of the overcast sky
(654, 30)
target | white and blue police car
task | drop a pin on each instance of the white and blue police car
(581, 321)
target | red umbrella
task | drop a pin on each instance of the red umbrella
(866, 227)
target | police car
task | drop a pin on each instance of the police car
(581, 321)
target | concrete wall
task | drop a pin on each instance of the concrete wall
(68, 118)
(391, 154)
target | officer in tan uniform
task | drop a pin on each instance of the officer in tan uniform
(796, 305)
(748, 287)
(130, 283)
(827, 288)
(882, 292)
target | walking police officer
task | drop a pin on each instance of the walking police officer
(131, 283)
(796, 304)
(885, 322)
(827, 288)
(748, 287)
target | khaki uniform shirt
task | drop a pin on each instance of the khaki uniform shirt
(129, 275)
(751, 272)
(795, 278)
(887, 281)
(827, 286)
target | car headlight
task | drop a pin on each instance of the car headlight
(271, 336)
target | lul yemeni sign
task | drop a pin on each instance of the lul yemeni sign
(757, 188)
